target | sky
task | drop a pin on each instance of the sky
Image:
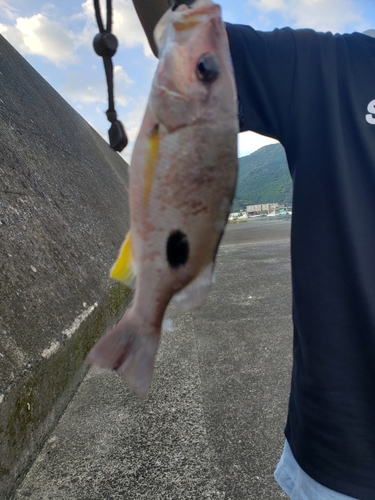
(55, 37)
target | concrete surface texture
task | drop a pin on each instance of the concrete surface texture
(212, 424)
(63, 215)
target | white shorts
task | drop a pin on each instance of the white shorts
(297, 484)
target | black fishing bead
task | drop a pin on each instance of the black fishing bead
(105, 44)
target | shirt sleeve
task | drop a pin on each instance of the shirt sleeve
(264, 64)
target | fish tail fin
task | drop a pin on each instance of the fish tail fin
(124, 269)
(130, 349)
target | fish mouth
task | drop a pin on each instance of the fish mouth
(189, 22)
(174, 109)
(162, 89)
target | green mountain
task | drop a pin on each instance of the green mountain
(263, 177)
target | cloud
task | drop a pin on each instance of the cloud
(85, 89)
(323, 15)
(121, 82)
(46, 34)
(248, 142)
(39, 35)
(88, 88)
(8, 10)
(132, 122)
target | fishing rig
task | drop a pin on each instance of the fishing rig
(105, 45)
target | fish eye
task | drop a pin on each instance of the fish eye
(208, 67)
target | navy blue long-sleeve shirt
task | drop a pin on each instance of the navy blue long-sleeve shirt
(315, 93)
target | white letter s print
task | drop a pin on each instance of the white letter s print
(371, 109)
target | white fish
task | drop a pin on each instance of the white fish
(183, 175)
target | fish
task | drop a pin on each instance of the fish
(182, 179)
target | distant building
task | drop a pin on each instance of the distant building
(237, 215)
(264, 208)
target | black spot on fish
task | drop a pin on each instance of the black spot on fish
(208, 67)
(177, 249)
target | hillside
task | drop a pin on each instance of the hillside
(263, 177)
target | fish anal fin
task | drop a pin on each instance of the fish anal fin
(123, 269)
(195, 293)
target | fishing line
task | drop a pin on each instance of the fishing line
(105, 45)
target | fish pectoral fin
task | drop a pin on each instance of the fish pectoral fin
(124, 269)
(196, 292)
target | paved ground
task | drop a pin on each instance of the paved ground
(212, 425)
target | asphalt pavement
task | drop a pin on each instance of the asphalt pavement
(212, 425)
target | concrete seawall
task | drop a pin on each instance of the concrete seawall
(63, 215)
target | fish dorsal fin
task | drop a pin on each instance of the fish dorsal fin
(124, 269)
(195, 293)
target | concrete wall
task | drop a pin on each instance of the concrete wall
(63, 216)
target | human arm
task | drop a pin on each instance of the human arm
(264, 65)
(149, 13)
